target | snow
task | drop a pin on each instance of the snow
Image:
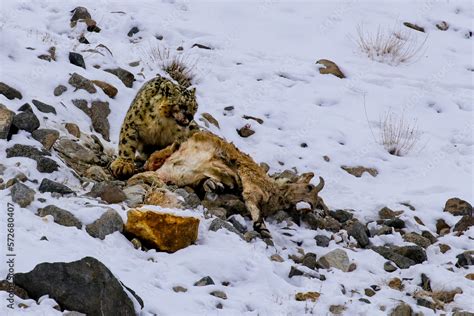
(263, 64)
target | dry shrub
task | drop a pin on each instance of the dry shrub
(178, 66)
(391, 46)
(398, 135)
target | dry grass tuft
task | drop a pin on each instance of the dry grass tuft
(398, 135)
(391, 46)
(178, 66)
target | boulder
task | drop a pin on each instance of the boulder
(330, 68)
(54, 187)
(108, 192)
(9, 92)
(61, 216)
(47, 137)
(6, 121)
(26, 121)
(108, 89)
(464, 223)
(60, 89)
(218, 224)
(335, 259)
(162, 231)
(77, 59)
(124, 75)
(360, 233)
(458, 207)
(43, 107)
(22, 194)
(86, 286)
(79, 82)
(108, 223)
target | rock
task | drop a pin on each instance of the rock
(108, 89)
(402, 309)
(108, 192)
(61, 216)
(134, 30)
(46, 165)
(341, 216)
(330, 68)
(404, 257)
(75, 151)
(25, 108)
(442, 26)
(307, 296)
(256, 119)
(277, 258)
(50, 56)
(458, 207)
(219, 212)
(245, 131)
(417, 239)
(6, 121)
(219, 294)
(335, 259)
(396, 284)
(425, 283)
(322, 241)
(77, 59)
(79, 82)
(444, 248)
(135, 195)
(309, 260)
(462, 313)
(337, 309)
(251, 235)
(124, 75)
(470, 276)
(318, 222)
(43, 107)
(54, 187)
(86, 286)
(425, 303)
(99, 112)
(396, 223)
(22, 194)
(237, 224)
(9, 92)
(429, 236)
(464, 223)
(26, 121)
(369, 292)
(359, 170)
(162, 231)
(386, 213)
(60, 89)
(414, 26)
(207, 118)
(96, 173)
(442, 228)
(218, 223)
(295, 272)
(164, 198)
(73, 129)
(200, 46)
(108, 223)
(359, 232)
(27, 151)
(47, 137)
(207, 280)
(231, 203)
(179, 289)
(7, 286)
(381, 230)
(191, 199)
(79, 13)
(465, 259)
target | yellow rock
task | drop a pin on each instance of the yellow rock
(162, 231)
(108, 89)
(330, 68)
(311, 296)
(163, 198)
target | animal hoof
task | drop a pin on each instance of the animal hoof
(122, 169)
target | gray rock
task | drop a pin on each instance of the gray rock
(231, 203)
(402, 309)
(86, 286)
(396, 223)
(79, 13)
(43, 107)
(25, 108)
(464, 223)
(425, 283)
(75, 151)
(73, 129)
(26, 121)
(335, 259)
(309, 260)
(22, 194)
(218, 223)
(124, 75)
(108, 192)
(417, 239)
(359, 232)
(386, 213)
(281, 216)
(219, 294)
(19, 150)
(294, 271)
(341, 216)
(6, 121)
(429, 236)
(99, 112)
(96, 173)
(46, 165)
(191, 199)
(61, 216)
(322, 241)
(59, 90)
(79, 82)
(54, 187)
(465, 259)
(316, 221)
(403, 257)
(108, 223)
(207, 280)
(134, 30)
(251, 235)
(219, 212)
(47, 137)
(179, 289)
(241, 228)
(245, 131)
(135, 195)
(77, 59)
(415, 253)
(9, 92)
(389, 267)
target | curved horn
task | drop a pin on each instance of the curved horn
(320, 186)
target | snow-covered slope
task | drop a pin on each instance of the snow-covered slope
(263, 63)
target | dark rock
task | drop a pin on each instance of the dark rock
(26, 121)
(465, 259)
(134, 30)
(6, 121)
(47, 137)
(386, 213)
(86, 286)
(256, 119)
(389, 267)
(342, 216)
(201, 46)
(231, 203)
(364, 300)
(295, 272)
(9, 92)
(322, 241)
(79, 82)
(402, 309)
(77, 59)
(396, 223)
(179, 289)
(22, 194)
(59, 90)
(74, 152)
(425, 303)
(79, 13)
(73, 129)
(54, 187)
(245, 131)
(9, 287)
(108, 192)
(19, 150)
(442, 228)
(25, 108)
(359, 232)
(82, 105)
(369, 292)
(99, 112)
(464, 223)
(219, 294)
(108, 223)
(442, 26)
(43, 107)
(425, 283)
(241, 228)
(46, 165)
(389, 254)
(414, 27)
(108, 89)
(458, 207)
(61, 216)
(207, 280)
(417, 239)
(124, 75)
(317, 222)
(415, 253)
(309, 260)
(218, 223)
(429, 236)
